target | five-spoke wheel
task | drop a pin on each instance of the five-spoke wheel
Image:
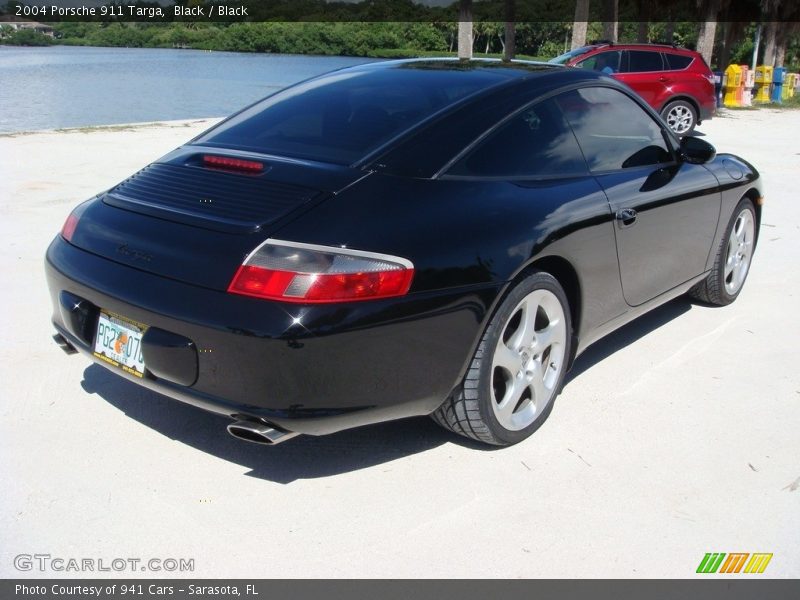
(518, 368)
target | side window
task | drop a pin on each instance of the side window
(677, 62)
(613, 131)
(603, 62)
(535, 143)
(644, 61)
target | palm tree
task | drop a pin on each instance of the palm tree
(509, 47)
(465, 29)
(580, 23)
(611, 17)
(769, 9)
(709, 12)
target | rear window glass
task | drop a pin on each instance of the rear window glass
(641, 61)
(343, 116)
(677, 62)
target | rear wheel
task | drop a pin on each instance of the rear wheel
(732, 262)
(518, 368)
(680, 116)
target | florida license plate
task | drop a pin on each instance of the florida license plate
(119, 342)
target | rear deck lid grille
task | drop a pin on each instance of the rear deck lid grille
(208, 198)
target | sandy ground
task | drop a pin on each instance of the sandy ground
(676, 436)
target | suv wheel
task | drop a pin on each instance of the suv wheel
(680, 116)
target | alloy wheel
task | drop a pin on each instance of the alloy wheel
(680, 119)
(528, 360)
(739, 252)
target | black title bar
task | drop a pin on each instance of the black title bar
(53, 11)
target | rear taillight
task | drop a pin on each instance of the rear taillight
(307, 273)
(68, 229)
(232, 164)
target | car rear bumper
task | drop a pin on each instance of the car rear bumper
(305, 369)
(707, 111)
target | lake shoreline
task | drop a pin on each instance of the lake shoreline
(116, 127)
(66, 87)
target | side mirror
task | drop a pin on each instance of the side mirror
(697, 151)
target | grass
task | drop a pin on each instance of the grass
(788, 103)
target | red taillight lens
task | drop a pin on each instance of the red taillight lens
(71, 224)
(69, 227)
(232, 164)
(294, 272)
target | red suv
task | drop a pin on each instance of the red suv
(674, 81)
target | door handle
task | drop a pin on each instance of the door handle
(664, 79)
(626, 217)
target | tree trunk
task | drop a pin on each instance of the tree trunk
(669, 32)
(770, 33)
(465, 30)
(510, 45)
(781, 41)
(610, 18)
(580, 23)
(708, 28)
(728, 39)
(644, 20)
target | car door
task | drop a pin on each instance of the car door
(643, 71)
(666, 210)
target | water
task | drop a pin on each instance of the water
(67, 86)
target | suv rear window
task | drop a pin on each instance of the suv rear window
(677, 62)
(343, 116)
(643, 61)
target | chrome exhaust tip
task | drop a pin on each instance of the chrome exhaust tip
(259, 432)
(64, 344)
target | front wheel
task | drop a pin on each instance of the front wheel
(732, 261)
(680, 116)
(518, 368)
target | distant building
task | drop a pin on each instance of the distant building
(36, 26)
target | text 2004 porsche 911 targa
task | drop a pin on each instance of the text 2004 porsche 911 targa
(427, 237)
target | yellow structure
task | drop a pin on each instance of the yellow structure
(789, 84)
(733, 83)
(763, 81)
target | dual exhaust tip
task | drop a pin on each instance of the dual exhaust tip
(259, 432)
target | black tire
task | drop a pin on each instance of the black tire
(713, 290)
(679, 112)
(468, 411)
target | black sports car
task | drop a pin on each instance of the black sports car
(429, 237)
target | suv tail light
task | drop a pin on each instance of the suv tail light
(311, 274)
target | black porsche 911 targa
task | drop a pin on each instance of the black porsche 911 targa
(427, 237)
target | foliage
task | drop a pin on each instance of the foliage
(357, 38)
(24, 37)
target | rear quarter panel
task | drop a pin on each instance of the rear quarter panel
(472, 233)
